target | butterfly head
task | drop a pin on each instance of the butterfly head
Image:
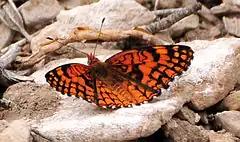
(92, 59)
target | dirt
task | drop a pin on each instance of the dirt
(31, 101)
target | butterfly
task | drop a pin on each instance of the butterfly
(131, 77)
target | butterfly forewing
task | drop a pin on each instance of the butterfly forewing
(153, 66)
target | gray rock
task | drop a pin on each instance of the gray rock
(208, 80)
(225, 9)
(32, 101)
(77, 120)
(182, 131)
(166, 4)
(232, 2)
(214, 70)
(39, 12)
(6, 35)
(230, 121)
(186, 3)
(208, 33)
(184, 25)
(119, 14)
(210, 27)
(221, 137)
(16, 131)
(231, 102)
(187, 114)
(3, 125)
(236, 2)
(232, 25)
(69, 4)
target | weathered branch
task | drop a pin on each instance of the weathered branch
(83, 34)
(166, 12)
(11, 17)
(8, 77)
(11, 53)
(172, 19)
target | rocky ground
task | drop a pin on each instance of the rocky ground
(200, 105)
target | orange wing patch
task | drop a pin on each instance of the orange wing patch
(134, 95)
(156, 66)
(72, 79)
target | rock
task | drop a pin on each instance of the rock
(187, 114)
(69, 4)
(3, 125)
(182, 131)
(32, 101)
(165, 37)
(94, 124)
(119, 14)
(204, 117)
(232, 2)
(77, 120)
(39, 12)
(184, 25)
(225, 9)
(232, 25)
(230, 121)
(16, 131)
(214, 75)
(209, 28)
(208, 80)
(167, 4)
(200, 33)
(236, 2)
(231, 102)
(221, 137)
(6, 35)
(186, 3)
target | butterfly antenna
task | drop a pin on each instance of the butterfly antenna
(98, 36)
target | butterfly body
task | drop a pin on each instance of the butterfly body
(128, 78)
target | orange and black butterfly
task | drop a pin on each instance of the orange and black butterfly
(128, 78)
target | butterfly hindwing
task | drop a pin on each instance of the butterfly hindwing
(72, 79)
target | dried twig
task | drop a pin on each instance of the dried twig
(8, 77)
(166, 12)
(11, 53)
(10, 16)
(81, 34)
(171, 19)
(156, 4)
